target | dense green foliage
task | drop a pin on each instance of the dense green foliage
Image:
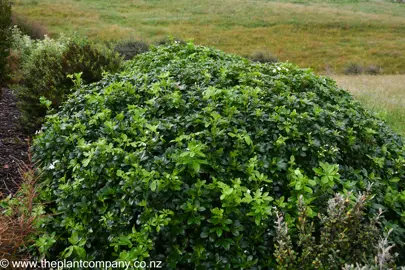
(5, 42)
(183, 157)
(46, 66)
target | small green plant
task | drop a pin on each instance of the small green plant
(5, 39)
(353, 69)
(185, 155)
(131, 48)
(263, 57)
(383, 260)
(343, 236)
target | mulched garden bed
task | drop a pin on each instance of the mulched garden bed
(13, 144)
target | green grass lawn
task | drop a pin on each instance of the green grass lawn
(323, 35)
(383, 94)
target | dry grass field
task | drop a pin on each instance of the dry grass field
(383, 94)
(323, 35)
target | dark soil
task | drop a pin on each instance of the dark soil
(13, 144)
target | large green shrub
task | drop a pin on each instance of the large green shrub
(183, 157)
(45, 71)
(5, 42)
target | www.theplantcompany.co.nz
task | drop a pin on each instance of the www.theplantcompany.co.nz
(65, 264)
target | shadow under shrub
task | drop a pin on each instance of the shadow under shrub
(184, 157)
(45, 73)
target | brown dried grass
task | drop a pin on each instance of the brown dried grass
(17, 222)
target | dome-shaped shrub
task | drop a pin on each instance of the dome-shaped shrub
(182, 158)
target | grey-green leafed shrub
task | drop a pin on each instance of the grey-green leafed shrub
(45, 72)
(21, 43)
(21, 48)
(5, 42)
(128, 49)
(263, 57)
(184, 157)
(39, 76)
